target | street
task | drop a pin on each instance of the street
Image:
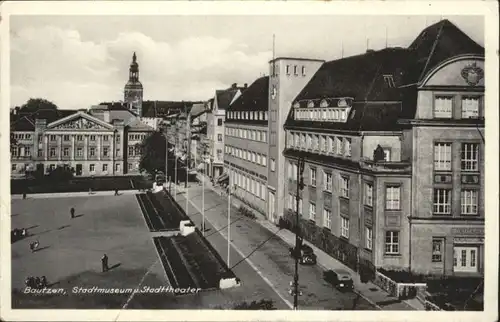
(266, 253)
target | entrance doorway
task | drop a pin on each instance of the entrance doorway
(78, 170)
(465, 259)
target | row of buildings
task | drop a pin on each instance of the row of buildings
(392, 140)
(393, 144)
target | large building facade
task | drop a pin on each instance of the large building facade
(97, 142)
(394, 160)
(288, 76)
(246, 144)
(215, 127)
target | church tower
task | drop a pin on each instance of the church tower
(133, 92)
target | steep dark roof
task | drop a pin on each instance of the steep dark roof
(437, 43)
(164, 108)
(254, 98)
(23, 124)
(224, 97)
(361, 78)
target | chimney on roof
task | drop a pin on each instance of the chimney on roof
(245, 85)
(234, 85)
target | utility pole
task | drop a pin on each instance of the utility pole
(298, 241)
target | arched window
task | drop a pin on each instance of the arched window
(323, 103)
(310, 104)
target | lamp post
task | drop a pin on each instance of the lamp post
(229, 191)
(175, 165)
(298, 241)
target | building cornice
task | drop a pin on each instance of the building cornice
(444, 122)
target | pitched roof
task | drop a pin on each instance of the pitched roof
(362, 78)
(197, 109)
(224, 97)
(23, 124)
(135, 124)
(359, 77)
(254, 98)
(164, 108)
(437, 43)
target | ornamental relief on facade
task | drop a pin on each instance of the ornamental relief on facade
(79, 124)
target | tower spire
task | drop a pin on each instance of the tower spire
(134, 58)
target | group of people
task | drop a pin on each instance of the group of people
(17, 234)
(36, 282)
(34, 246)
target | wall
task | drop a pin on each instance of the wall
(392, 142)
(288, 87)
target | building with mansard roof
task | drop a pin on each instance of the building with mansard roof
(98, 141)
(393, 142)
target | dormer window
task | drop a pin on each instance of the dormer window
(288, 69)
(303, 70)
(295, 70)
(261, 115)
(310, 104)
(323, 103)
(389, 81)
(296, 105)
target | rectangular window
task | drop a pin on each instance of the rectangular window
(368, 238)
(473, 258)
(79, 137)
(437, 250)
(105, 151)
(368, 194)
(27, 151)
(469, 202)
(295, 70)
(312, 211)
(273, 165)
(264, 160)
(104, 168)
(219, 122)
(52, 137)
(344, 231)
(117, 167)
(92, 152)
(131, 151)
(442, 156)
(338, 145)
(470, 157)
(309, 141)
(66, 152)
(327, 218)
(392, 242)
(40, 152)
(442, 201)
(470, 107)
(92, 167)
(347, 147)
(79, 152)
(66, 137)
(288, 69)
(312, 172)
(324, 144)
(219, 137)
(443, 106)
(92, 138)
(130, 166)
(303, 70)
(13, 167)
(392, 197)
(328, 179)
(344, 187)
(105, 138)
(52, 152)
(264, 136)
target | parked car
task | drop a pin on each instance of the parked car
(340, 279)
(306, 255)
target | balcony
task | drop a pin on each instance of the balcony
(386, 166)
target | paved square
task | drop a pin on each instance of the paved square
(71, 249)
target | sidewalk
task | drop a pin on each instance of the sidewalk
(369, 291)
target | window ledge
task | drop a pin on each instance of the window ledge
(368, 249)
(392, 255)
(344, 198)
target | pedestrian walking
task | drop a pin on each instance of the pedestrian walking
(104, 262)
(116, 192)
(90, 191)
(24, 195)
(72, 212)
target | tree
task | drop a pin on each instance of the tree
(61, 173)
(153, 153)
(256, 305)
(34, 104)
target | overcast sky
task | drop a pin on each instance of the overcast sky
(77, 61)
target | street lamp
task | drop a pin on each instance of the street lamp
(298, 241)
(230, 189)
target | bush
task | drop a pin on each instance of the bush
(403, 276)
(247, 212)
(61, 173)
